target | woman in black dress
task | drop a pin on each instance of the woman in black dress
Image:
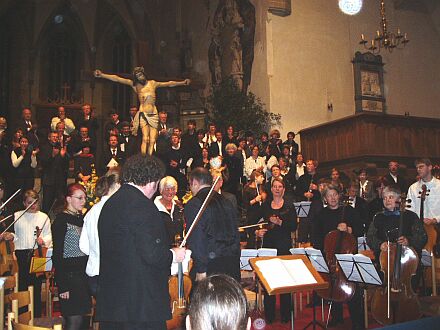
(282, 222)
(69, 261)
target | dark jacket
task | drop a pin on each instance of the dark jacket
(135, 260)
(216, 234)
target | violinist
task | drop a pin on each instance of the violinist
(282, 219)
(330, 218)
(170, 208)
(214, 242)
(385, 225)
(26, 242)
(253, 197)
(431, 204)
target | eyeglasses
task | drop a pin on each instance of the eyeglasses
(82, 198)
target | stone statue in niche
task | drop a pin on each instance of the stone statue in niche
(147, 118)
(186, 57)
(232, 42)
(215, 60)
(237, 60)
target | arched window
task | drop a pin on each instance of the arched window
(61, 56)
(121, 63)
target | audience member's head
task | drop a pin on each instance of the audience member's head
(218, 303)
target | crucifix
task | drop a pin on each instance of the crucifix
(147, 118)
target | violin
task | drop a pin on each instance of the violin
(336, 242)
(40, 251)
(396, 302)
(179, 287)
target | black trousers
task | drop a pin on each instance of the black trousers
(132, 325)
(270, 305)
(25, 278)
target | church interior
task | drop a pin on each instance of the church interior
(298, 57)
(359, 89)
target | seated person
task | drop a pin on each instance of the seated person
(83, 164)
(218, 302)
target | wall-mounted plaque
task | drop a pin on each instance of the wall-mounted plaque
(368, 82)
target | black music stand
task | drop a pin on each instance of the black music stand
(318, 262)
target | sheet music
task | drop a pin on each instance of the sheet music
(315, 256)
(284, 273)
(362, 244)
(349, 268)
(185, 264)
(247, 254)
(112, 163)
(363, 271)
(266, 252)
(302, 209)
(426, 258)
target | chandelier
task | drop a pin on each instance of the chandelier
(384, 39)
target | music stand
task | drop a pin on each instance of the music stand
(287, 274)
(358, 268)
(318, 262)
(302, 209)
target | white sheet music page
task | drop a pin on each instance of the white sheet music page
(299, 271)
(317, 260)
(284, 273)
(266, 252)
(246, 254)
(367, 269)
(348, 267)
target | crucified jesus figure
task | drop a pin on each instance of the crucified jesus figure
(147, 117)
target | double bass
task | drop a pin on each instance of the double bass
(396, 302)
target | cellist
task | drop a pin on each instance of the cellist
(386, 223)
(330, 218)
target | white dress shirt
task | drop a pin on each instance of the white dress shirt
(252, 164)
(432, 200)
(25, 236)
(68, 123)
(89, 240)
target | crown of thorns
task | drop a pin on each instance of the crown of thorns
(138, 69)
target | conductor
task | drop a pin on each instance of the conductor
(135, 258)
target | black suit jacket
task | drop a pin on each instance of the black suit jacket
(135, 260)
(107, 155)
(54, 169)
(401, 182)
(214, 149)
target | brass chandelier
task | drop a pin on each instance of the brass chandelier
(385, 39)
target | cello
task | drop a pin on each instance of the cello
(335, 242)
(397, 302)
(179, 288)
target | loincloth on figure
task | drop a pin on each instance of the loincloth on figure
(142, 118)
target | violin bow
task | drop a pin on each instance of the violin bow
(200, 212)
(9, 199)
(23, 213)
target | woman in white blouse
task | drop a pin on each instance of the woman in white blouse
(89, 240)
(25, 238)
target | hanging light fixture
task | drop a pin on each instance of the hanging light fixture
(385, 39)
(350, 7)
